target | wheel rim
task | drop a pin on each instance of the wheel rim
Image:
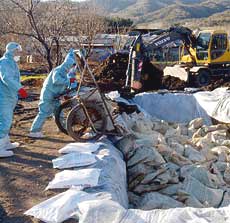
(80, 125)
(62, 114)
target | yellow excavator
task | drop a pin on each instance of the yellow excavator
(201, 57)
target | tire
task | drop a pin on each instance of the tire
(202, 78)
(77, 119)
(64, 108)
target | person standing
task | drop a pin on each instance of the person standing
(10, 87)
(55, 84)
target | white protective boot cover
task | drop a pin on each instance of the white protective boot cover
(10, 145)
(36, 135)
(3, 148)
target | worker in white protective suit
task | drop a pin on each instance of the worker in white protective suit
(10, 87)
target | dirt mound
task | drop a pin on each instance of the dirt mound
(36, 83)
(111, 75)
(173, 83)
(223, 82)
(113, 68)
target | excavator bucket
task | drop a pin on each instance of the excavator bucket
(177, 71)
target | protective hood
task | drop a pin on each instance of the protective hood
(69, 59)
(12, 47)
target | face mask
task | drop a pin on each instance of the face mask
(17, 58)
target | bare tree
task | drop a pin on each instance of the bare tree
(89, 21)
(50, 24)
(45, 22)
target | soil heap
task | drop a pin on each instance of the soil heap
(111, 75)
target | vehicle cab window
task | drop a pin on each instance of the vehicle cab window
(203, 41)
(218, 46)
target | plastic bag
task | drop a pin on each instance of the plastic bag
(81, 147)
(81, 178)
(60, 207)
(74, 160)
(207, 196)
(155, 200)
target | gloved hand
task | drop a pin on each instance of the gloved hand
(72, 83)
(72, 80)
(22, 93)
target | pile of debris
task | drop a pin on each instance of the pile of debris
(114, 67)
(33, 82)
(111, 75)
(223, 82)
(33, 68)
(176, 165)
(173, 83)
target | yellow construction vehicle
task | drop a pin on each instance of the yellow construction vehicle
(209, 57)
(201, 57)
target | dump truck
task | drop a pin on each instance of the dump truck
(201, 57)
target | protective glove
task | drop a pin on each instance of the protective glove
(72, 80)
(22, 93)
(72, 83)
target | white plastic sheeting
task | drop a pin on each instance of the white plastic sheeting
(181, 107)
(215, 103)
(172, 107)
(108, 211)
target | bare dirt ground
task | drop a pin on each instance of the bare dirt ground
(24, 177)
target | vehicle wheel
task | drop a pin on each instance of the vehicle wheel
(62, 113)
(202, 78)
(79, 126)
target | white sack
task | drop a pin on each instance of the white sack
(155, 200)
(81, 178)
(207, 196)
(60, 207)
(81, 147)
(74, 160)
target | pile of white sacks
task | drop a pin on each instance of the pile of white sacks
(159, 166)
(176, 165)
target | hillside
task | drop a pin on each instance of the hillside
(169, 11)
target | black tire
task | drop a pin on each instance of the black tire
(202, 78)
(78, 124)
(64, 109)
